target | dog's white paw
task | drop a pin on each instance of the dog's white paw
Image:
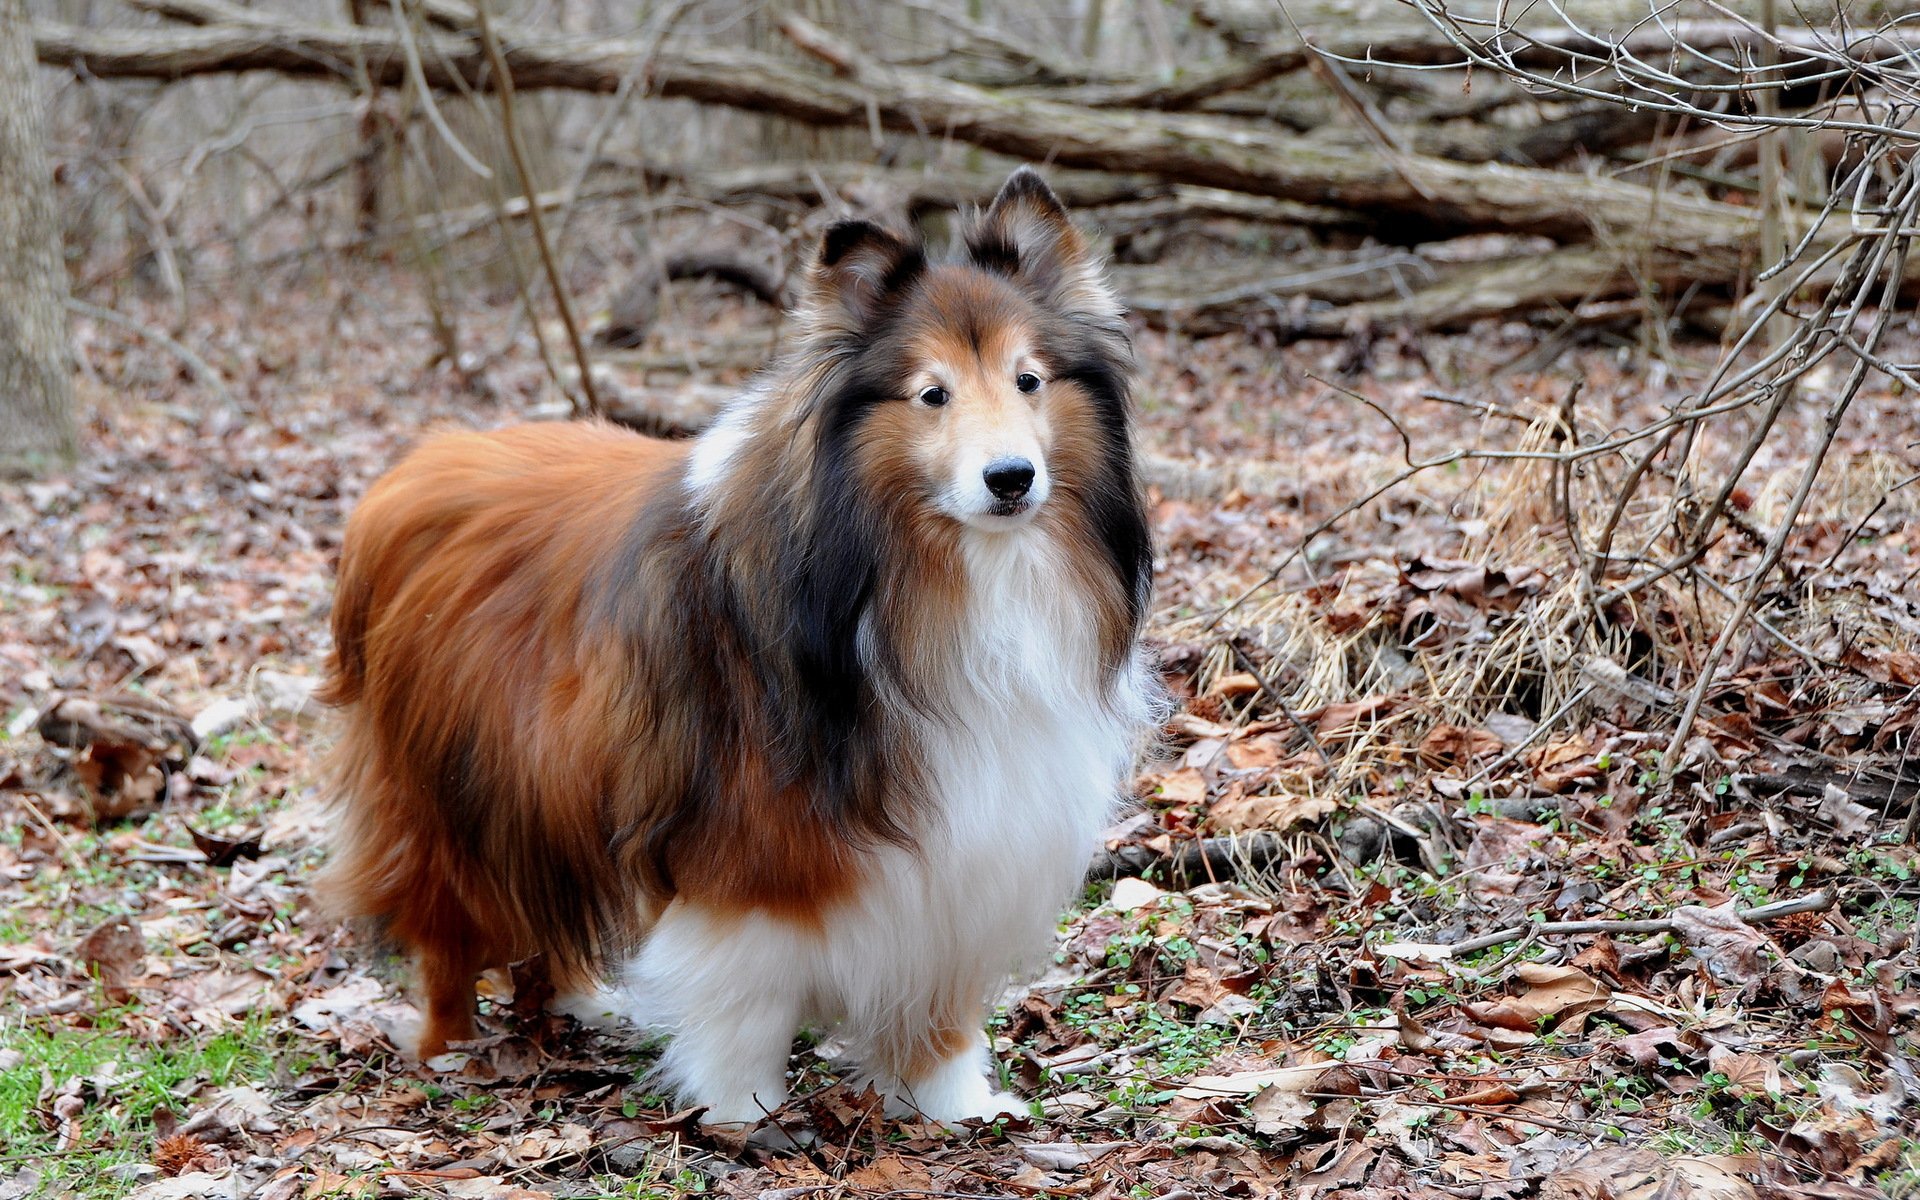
(997, 1104)
(958, 1091)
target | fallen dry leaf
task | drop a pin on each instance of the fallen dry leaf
(1277, 814)
(1726, 946)
(1184, 786)
(1563, 762)
(1619, 1173)
(1351, 718)
(1132, 893)
(1547, 994)
(116, 953)
(1453, 746)
(1748, 1075)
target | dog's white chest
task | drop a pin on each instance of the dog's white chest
(1024, 763)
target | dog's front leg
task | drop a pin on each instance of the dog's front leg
(733, 993)
(945, 1074)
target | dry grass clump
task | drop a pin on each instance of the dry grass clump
(1527, 628)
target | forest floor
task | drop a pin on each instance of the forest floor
(176, 1020)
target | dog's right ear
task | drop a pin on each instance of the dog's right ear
(859, 268)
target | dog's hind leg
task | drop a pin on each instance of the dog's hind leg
(451, 950)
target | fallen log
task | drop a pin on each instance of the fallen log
(1413, 190)
(1451, 296)
(633, 311)
(685, 409)
(676, 412)
(1200, 204)
(914, 191)
(1332, 300)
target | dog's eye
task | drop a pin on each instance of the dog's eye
(1028, 382)
(934, 397)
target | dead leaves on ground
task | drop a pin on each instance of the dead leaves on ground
(190, 554)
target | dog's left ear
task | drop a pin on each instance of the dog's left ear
(1026, 235)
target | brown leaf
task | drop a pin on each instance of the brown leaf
(121, 778)
(1035, 1022)
(1563, 762)
(889, 1173)
(1352, 718)
(1453, 746)
(1728, 947)
(1279, 1107)
(1601, 958)
(1204, 987)
(1548, 994)
(1618, 1173)
(1848, 816)
(1341, 1165)
(1263, 750)
(115, 952)
(1184, 786)
(1240, 684)
(1649, 1046)
(1869, 1018)
(839, 1111)
(1748, 1075)
(224, 852)
(1491, 1096)
(1242, 814)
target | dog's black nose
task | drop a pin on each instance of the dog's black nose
(1009, 478)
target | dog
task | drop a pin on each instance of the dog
(813, 720)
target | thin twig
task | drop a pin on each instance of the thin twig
(503, 86)
(201, 369)
(417, 73)
(1815, 902)
(1273, 694)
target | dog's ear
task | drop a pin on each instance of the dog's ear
(1026, 235)
(859, 267)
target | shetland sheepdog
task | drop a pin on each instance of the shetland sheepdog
(811, 721)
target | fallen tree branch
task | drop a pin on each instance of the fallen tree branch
(1190, 149)
(916, 191)
(200, 368)
(1819, 901)
(633, 311)
(1197, 861)
(1542, 40)
(1456, 296)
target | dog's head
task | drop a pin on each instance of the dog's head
(975, 390)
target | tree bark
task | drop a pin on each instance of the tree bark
(37, 426)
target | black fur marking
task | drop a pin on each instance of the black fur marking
(992, 252)
(843, 236)
(905, 269)
(1026, 184)
(1113, 499)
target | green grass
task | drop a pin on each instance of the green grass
(116, 1126)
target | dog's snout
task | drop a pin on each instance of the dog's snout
(1009, 478)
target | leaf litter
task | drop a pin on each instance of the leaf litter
(1458, 937)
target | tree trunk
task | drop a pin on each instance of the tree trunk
(37, 430)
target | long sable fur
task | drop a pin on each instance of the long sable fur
(573, 693)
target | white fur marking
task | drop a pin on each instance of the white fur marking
(715, 450)
(1033, 743)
